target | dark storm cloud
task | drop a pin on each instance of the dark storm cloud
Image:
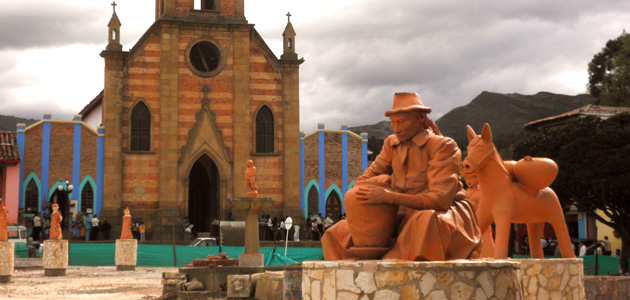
(447, 51)
(43, 24)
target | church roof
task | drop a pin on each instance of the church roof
(588, 110)
(96, 102)
(9, 152)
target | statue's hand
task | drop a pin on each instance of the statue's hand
(374, 195)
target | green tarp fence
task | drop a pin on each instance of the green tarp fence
(86, 254)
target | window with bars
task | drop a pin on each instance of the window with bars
(87, 198)
(140, 128)
(264, 130)
(31, 196)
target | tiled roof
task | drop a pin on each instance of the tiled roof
(588, 110)
(9, 153)
(92, 105)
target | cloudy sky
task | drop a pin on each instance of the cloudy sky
(357, 52)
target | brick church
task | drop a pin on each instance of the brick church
(180, 114)
(184, 109)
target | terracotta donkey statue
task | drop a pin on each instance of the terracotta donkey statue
(514, 194)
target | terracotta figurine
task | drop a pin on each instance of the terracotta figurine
(4, 222)
(250, 177)
(125, 231)
(417, 171)
(515, 193)
(54, 232)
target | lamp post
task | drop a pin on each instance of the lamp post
(64, 203)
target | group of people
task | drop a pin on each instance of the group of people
(317, 225)
(272, 228)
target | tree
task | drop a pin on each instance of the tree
(609, 73)
(592, 156)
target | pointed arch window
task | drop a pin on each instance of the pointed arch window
(140, 128)
(87, 198)
(264, 130)
(31, 197)
(313, 201)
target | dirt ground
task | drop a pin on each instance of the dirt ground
(86, 283)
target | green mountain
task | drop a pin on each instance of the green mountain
(9, 123)
(506, 114)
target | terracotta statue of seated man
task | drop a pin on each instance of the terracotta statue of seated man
(435, 222)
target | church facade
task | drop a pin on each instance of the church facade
(180, 114)
(185, 108)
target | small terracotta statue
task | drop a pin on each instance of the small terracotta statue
(250, 176)
(514, 193)
(4, 222)
(54, 232)
(418, 172)
(125, 232)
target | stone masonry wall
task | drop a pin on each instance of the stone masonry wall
(552, 278)
(391, 279)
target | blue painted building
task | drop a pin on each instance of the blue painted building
(330, 160)
(60, 157)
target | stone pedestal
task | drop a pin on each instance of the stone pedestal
(251, 260)
(126, 254)
(561, 278)
(396, 279)
(6, 261)
(251, 205)
(55, 260)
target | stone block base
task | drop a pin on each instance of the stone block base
(607, 287)
(561, 278)
(126, 254)
(6, 260)
(55, 257)
(54, 272)
(395, 279)
(269, 286)
(250, 260)
(239, 286)
(5, 278)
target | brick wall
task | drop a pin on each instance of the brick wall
(332, 159)
(33, 151)
(60, 155)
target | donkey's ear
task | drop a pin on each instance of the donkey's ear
(471, 133)
(486, 134)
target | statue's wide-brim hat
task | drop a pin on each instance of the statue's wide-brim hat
(404, 102)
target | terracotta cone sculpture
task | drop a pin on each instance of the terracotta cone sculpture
(125, 232)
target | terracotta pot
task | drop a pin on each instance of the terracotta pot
(371, 225)
(536, 172)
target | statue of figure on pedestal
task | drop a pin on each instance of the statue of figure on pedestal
(409, 204)
(250, 176)
(4, 222)
(125, 232)
(54, 232)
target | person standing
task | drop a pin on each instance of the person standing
(37, 227)
(607, 248)
(105, 229)
(95, 227)
(582, 249)
(142, 230)
(87, 219)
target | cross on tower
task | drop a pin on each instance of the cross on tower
(114, 6)
(289, 17)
